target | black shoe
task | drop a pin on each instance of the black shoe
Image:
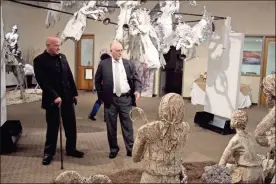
(129, 153)
(92, 118)
(113, 154)
(75, 153)
(47, 159)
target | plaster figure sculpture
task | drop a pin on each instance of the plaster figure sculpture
(52, 16)
(143, 33)
(165, 23)
(12, 39)
(248, 166)
(77, 24)
(140, 23)
(126, 8)
(74, 177)
(216, 174)
(13, 58)
(160, 144)
(265, 130)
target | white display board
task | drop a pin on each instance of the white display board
(3, 109)
(223, 74)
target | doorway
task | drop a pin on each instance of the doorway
(85, 62)
(268, 62)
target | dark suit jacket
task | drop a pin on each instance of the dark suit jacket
(53, 82)
(104, 73)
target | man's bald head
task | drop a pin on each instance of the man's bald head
(53, 45)
(116, 50)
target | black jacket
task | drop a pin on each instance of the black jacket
(54, 81)
(104, 73)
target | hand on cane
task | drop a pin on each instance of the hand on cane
(58, 101)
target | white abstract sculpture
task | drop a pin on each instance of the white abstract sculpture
(77, 24)
(165, 23)
(126, 8)
(53, 16)
(13, 58)
(145, 34)
(12, 39)
(140, 21)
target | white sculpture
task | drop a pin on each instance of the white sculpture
(145, 34)
(13, 58)
(12, 39)
(53, 16)
(165, 24)
(140, 23)
(77, 24)
(126, 8)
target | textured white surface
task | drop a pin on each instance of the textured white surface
(3, 79)
(198, 97)
(223, 76)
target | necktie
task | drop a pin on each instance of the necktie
(117, 79)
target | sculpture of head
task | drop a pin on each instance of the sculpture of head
(268, 85)
(53, 45)
(239, 120)
(14, 29)
(171, 108)
(116, 50)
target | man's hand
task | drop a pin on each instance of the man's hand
(58, 101)
(137, 95)
(75, 100)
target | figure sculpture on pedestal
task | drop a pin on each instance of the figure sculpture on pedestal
(13, 58)
(248, 166)
(160, 144)
(265, 130)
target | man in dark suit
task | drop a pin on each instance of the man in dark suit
(55, 78)
(120, 90)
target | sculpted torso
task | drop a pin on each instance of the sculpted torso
(12, 39)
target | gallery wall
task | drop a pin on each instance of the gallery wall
(249, 17)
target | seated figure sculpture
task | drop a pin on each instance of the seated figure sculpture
(160, 144)
(265, 130)
(248, 166)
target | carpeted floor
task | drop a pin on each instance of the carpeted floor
(24, 165)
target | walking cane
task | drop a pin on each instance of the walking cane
(60, 135)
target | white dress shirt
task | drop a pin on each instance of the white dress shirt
(123, 77)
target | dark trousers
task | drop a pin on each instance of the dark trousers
(29, 79)
(122, 106)
(96, 108)
(53, 122)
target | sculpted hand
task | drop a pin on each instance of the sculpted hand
(137, 95)
(58, 101)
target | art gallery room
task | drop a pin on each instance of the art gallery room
(201, 99)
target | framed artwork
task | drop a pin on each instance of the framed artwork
(252, 57)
